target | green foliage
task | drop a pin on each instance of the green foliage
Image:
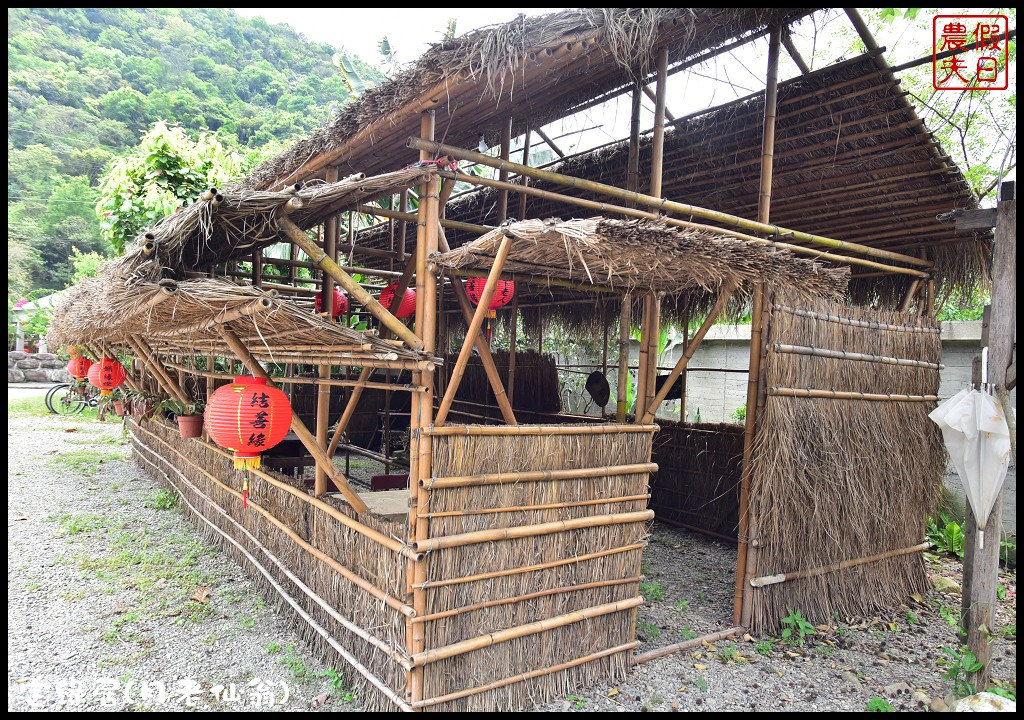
(729, 653)
(797, 628)
(960, 663)
(338, 688)
(739, 415)
(877, 704)
(652, 591)
(946, 535)
(763, 647)
(650, 631)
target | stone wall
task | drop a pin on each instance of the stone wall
(36, 367)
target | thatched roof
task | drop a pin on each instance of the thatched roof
(237, 222)
(631, 254)
(190, 317)
(535, 69)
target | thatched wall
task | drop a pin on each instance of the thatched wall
(838, 480)
(698, 478)
(190, 467)
(469, 455)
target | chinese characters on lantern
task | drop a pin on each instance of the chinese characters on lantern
(982, 63)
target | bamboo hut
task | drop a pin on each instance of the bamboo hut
(505, 569)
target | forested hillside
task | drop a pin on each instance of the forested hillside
(85, 84)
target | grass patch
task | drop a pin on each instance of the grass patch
(163, 500)
(80, 523)
(97, 439)
(27, 407)
(85, 463)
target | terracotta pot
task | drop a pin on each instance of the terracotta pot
(119, 408)
(190, 426)
(82, 392)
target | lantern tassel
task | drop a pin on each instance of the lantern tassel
(247, 463)
(106, 393)
(245, 493)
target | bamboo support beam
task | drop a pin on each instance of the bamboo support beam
(157, 369)
(531, 568)
(532, 508)
(835, 567)
(474, 328)
(345, 572)
(521, 531)
(354, 289)
(862, 357)
(223, 317)
(915, 286)
(323, 406)
(691, 348)
(658, 138)
(662, 204)
(333, 382)
(550, 143)
(319, 629)
(598, 429)
(500, 636)
(523, 677)
(300, 429)
(854, 322)
(846, 395)
(686, 645)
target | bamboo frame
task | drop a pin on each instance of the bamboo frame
(836, 567)
(354, 289)
(289, 380)
(602, 429)
(436, 483)
(686, 645)
(661, 204)
(319, 629)
(521, 531)
(845, 395)
(474, 328)
(300, 429)
(530, 508)
(691, 348)
(854, 322)
(157, 370)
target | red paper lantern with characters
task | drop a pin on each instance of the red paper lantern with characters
(107, 374)
(408, 305)
(340, 304)
(248, 417)
(503, 292)
(78, 367)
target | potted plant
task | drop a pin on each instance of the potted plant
(119, 400)
(81, 388)
(141, 405)
(188, 415)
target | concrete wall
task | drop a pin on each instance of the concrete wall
(35, 367)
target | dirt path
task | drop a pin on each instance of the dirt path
(113, 602)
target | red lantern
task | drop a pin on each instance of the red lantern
(502, 293)
(107, 374)
(408, 304)
(340, 303)
(248, 417)
(78, 367)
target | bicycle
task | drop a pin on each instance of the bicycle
(64, 399)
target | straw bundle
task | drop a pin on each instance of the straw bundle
(697, 483)
(837, 480)
(190, 466)
(614, 553)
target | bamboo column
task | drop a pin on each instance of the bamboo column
(506, 144)
(682, 379)
(157, 369)
(623, 379)
(746, 561)
(640, 396)
(332, 233)
(633, 160)
(513, 337)
(658, 139)
(298, 427)
(474, 327)
(652, 337)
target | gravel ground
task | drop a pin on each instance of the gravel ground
(114, 603)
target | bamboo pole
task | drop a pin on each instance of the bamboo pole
(854, 322)
(532, 568)
(835, 567)
(597, 429)
(623, 377)
(285, 380)
(299, 428)
(354, 289)
(513, 337)
(323, 407)
(691, 348)
(157, 369)
(644, 360)
(523, 179)
(532, 508)
(550, 143)
(660, 203)
(522, 598)
(474, 327)
(653, 336)
(862, 357)
(506, 144)
(538, 475)
(359, 667)
(483, 348)
(658, 139)
(411, 217)
(915, 285)
(684, 376)
(521, 531)
(221, 318)
(686, 645)
(604, 207)
(345, 572)
(747, 526)
(500, 636)
(523, 677)
(633, 160)
(845, 395)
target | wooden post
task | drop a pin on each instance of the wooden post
(633, 161)
(981, 565)
(332, 232)
(474, 327)
(323, 396)
(746, 561)
(658, 139)
(298, 427)
(682, 378)
(506, 144)
(523, 179)
(623, 379)
(513, 337)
